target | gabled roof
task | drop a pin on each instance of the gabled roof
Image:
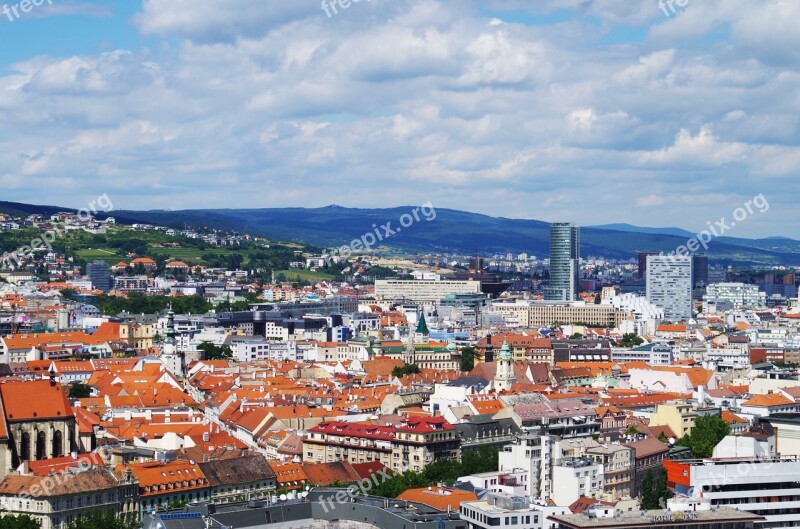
(238, 470)
(324, 474)
(34, 400)
(648, 447)
(768, 400)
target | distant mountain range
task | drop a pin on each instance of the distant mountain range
(451, 231)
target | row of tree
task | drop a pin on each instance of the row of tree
(485, 459)
(88, 520)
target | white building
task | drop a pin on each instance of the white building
(423, 290)
(735, 295)
(574, 477)
(646, 315)
(533, 454)
(513, 482)
(509, 512)
(669, 285)
(766, 487)
(654, 354)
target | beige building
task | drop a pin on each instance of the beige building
(57, 500)
(137, 335)
(547, 313)
(679, 416)
(411, 445)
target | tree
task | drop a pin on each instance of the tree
(576, 336)
(79, 391)
(632, 430)
(647, 491)
(104, 519)
(654, 491)
(662, 492)
(467, 358)
(406, 369)
(707, 432)
(215, 352)
(630, 339)
(597, 299)
(18, 522)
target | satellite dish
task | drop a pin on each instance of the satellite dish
(672, 440)
(283, 497)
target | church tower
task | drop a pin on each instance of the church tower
(174, 360)
(422, 327)
(504, 377)
(488, 353)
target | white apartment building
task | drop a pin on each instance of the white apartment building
(646, 315)
(735, 295)
(533, 454)
(654, 354)
(574, 477)
(669, 285)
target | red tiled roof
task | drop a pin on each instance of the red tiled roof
(34, 400)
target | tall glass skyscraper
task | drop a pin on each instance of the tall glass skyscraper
(564, 262)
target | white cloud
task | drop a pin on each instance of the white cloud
(258, 103)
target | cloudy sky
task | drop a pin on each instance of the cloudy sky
(592, 111)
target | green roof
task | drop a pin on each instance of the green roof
(422, 327)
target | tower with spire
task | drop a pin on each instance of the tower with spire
(422, 325)
(174, 360)
(420, 334)
(504, 376)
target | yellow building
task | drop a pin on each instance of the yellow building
(678, 415)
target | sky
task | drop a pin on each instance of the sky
(590, 111)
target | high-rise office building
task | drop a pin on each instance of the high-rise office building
(699, 271)
(669, 285)
(564, 262)
(99, 275)
(643, 263)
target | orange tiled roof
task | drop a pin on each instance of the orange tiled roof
(34, 400)
(670, 328)
(769, 399)
(731, 418)
(438, 498)
(177, 476)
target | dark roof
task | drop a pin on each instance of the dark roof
(243, 469)
(482, 428)
(468, 381)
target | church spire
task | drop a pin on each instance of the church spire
(422, 326)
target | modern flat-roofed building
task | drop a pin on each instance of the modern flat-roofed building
(763, 486)
(669, 285)
(737, 295)
(423, 290)
(546, 313)
(504, 510)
